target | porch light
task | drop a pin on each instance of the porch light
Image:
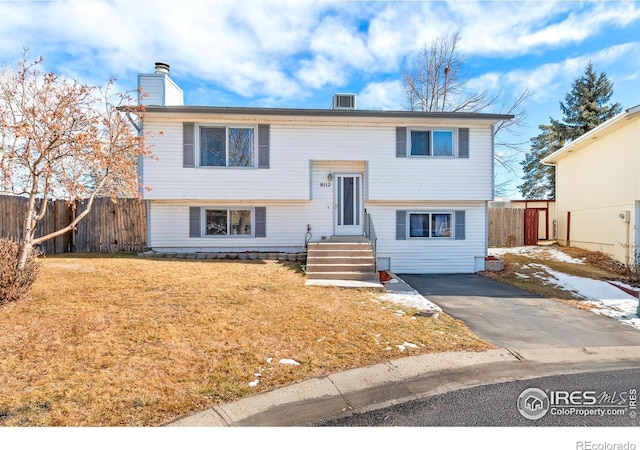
(330, 177)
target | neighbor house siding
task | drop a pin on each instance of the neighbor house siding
(597, 182)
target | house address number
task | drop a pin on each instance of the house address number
(325, 184)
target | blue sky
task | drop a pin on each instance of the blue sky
(297, 53)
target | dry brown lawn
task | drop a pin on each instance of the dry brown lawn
(122, 341)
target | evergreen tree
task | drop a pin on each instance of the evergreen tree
(585, 107)
(540, 180)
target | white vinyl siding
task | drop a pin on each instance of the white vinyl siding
(152, 89)
(417, 255)
(159, 90)
(434, 178)
(292, 147)
(287, 226)
(292, 192)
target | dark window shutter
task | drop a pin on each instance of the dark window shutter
(194, 221)
(401, 225)
(401, 142)
(263, 146)
(460, 225)
(188, 147)
(261, 222)
(463, 142)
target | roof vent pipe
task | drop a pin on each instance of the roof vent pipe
(162, 68)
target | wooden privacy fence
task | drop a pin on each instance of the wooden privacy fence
(108, 228)
(506, 227)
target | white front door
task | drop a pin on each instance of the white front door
(348, 204)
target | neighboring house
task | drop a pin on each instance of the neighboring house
(598, 188)
(239, 179)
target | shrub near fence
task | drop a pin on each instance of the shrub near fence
(506, 227)
(109, 227)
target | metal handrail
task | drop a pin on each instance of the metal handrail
(370, 232)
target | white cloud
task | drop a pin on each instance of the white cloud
(519, 28)
(320, 72)
(384, 95)
(552, 80)
(279, 49)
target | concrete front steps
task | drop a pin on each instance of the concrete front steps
(341, 260)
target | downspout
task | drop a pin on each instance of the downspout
(555, 197)
(493, 192)
(628, 242)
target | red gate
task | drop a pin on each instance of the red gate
(530, 226)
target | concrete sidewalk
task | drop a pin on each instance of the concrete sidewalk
(402, 380)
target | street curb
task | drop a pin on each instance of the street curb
(337, 385)
(388, 383)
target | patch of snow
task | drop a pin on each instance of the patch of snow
(402, 347)
(410, 298)
(623, 316)
(546, 253)
(269, 360)
(254, 383)
(606, 299)
(521, 275)
(289, 361)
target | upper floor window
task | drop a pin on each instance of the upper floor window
(431, 143)
(227, 147)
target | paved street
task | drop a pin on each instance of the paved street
(496, 405)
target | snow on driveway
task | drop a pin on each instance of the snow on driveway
(604, 298)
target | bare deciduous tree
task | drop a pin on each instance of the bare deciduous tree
(438, 82)
(62, 139)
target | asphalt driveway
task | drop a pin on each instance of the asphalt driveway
(510, 317)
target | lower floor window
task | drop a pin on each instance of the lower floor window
(234, 222)
(430, 225)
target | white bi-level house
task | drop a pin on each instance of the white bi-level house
(274, 180)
